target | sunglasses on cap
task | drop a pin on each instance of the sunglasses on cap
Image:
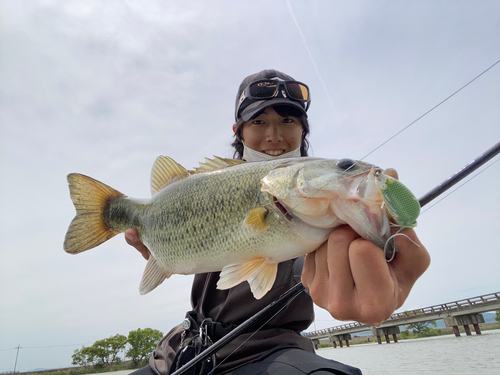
(271, 88)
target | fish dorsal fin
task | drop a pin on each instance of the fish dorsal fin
(256, 220)
(260, 274)
(216, 163)
(166, 171)
(153, 276)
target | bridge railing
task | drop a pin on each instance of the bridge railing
(446, 307)
(436, 309)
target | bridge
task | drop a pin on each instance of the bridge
(464, 312)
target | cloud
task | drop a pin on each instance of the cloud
(103, 88)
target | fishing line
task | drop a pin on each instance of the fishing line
(311, 57)
(423, 200)
(451, 192)
(402, 130)
(430, 110)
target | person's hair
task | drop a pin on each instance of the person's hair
(283, 111)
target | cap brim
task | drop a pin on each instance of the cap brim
(259, 106)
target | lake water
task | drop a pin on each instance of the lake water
(476, 354)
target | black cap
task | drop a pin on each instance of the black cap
(254, 107)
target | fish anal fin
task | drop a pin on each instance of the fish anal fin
(217, 163)
(256, 220)
(166, 171)
(153, 276)
(259, 272)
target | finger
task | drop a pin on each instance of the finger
(411, 261)
(132, 238)
(376, 287)
(391, 172)
(338, 259)
(341, 283)
(308, 269)
(316, 271)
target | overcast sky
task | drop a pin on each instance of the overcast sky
(104, 87)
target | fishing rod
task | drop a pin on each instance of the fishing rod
(251, 323)
(460, 175)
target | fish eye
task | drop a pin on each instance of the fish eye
(346, 164)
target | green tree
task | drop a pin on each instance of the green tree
(101, 353)
(83, 357)
(106, 351)
(421, 328)
(142, 343)
(497, 315)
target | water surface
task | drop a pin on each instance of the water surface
(476, 354)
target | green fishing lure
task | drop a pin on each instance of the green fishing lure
(399, 201)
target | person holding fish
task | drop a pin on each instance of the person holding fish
(347, 275)
(354, 267)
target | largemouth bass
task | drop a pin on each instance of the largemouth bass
(238, 218)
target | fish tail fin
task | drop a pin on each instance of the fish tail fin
(88, 229)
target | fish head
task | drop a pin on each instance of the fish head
(327, 193)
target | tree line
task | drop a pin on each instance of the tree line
(101, 353)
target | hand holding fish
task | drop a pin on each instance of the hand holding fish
(352, 280)
(133, 240)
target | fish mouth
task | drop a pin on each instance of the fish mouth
(282, 208)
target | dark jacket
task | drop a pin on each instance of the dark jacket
(234, 306)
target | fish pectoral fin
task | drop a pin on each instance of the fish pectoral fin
(260, 274)
(153, 276)
(256, 220)
(165, 172)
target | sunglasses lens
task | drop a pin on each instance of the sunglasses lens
(297, 91)
(263, 89)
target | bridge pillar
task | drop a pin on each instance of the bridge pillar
(464, 320)
(386, 331)
(340, 338)
(315, 343)
(467, 330)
